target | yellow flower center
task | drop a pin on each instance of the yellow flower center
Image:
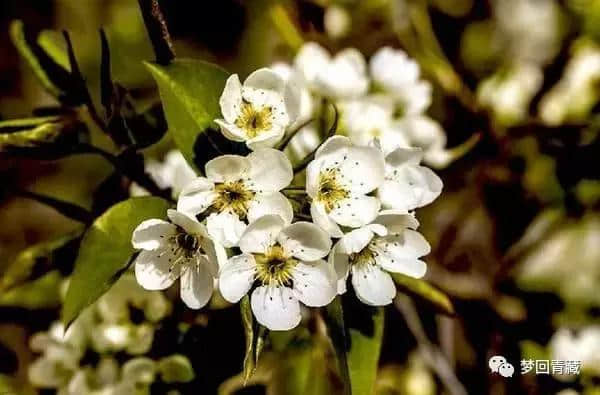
(274, 267)
(330, 191)
(364, 257)
(254, 121)
(233, 196)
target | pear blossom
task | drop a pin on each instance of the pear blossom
(179, 248)
(371, 119)
(407, 184)
(238, 190)
(343, 76)
(368, 254)
(259, 111)
(582, 345)
(396, 74)
(294, 77)
(285, 264)
(172, 172)
(339, 180)
(427, 134)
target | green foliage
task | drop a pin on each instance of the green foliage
(41, 293)
(38, 259)
(105, 250)
(357, 349)
(423, 290)
(190, 92)
(248, 323)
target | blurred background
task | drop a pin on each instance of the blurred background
(515, 234)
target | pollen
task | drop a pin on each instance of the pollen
(364, 257)
(274, 267)
(233, 196)
(254, 121)
(330, 190)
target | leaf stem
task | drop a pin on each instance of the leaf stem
(67, 209)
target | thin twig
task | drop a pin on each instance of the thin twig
(432, 355)
(67, 209)
(300, 166)
(286, 140)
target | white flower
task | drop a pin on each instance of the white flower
(370, 120)
(180, 248)
(337, 21)
(583, 346)
(258, 112)
(425, 133)
(341, 77)
(286, 264)
(338, 181)
(173, 172)
(238, 190)
(292, 76)
(396, 74)
(389, 244)
(407, 184)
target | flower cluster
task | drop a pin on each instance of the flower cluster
(289, 235)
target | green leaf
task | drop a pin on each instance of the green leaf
(38, 259)
(357, 349)
(363, 356)
(105, 250)
(41, 293)
(190, 92)
(248, 322)
(423, 290)
(176, 369)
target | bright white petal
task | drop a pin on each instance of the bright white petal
(356, 211)
(293, 99)
(266, 139)
(261, 234)
(196, 285)
(152, 234)
(270, 170)
(270, 203)
(265, 79)
(188, 223)
(404, 156)
(276, 307)
(231, 131)
(322, 219)
(154, 269)
(196, 197)
(305, 241)
(315, 283)
(355, 241)
(225, 228)
(227, 168)
(231, 99)
(332, 145)
(400, 253)
(396, 221)
(372, 285)
(363, 169)
(341, 264)
(409, 187)
(311, 59)
(236, 277)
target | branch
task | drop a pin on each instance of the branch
(157, 30)
(300, 166)
(430, 352)
(67, 209)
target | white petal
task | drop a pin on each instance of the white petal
(322, 219)
(152, 269)
(266, 139)
(315, 283)
(265, 79)
(392, 69)
(196, 285)
(311, 59)
(341, 265)
(372, 285)
(270, 203)
(305, 241)
(409, 187)
(404, 156)
(188, 223)
(344, 77)
(231, 98)
(356, 211)
(261, 234)
(227, 168)
(225, 228)
(293, 97)
(332, 145)
(400, 253)
(270, 170)
(152, 234)
(236, 277)
(276, 308)
(396, 221)
(231, 131)
(196, 197)
(363, 169)
(355, 241)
